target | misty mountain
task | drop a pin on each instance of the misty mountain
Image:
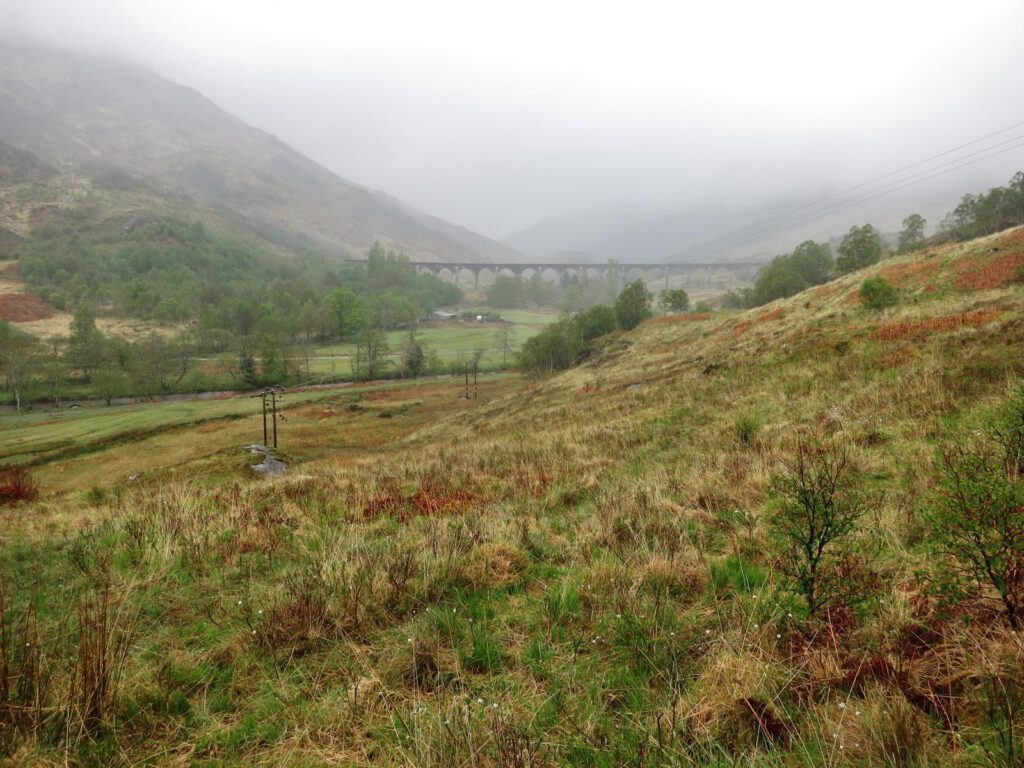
(713, 233)
(630, 237)
(108, 118)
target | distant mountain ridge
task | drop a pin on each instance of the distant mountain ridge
(94, 115)
(713, 233)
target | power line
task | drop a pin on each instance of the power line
(737, 239)
(869, 194)
(850, 204)
(844, 192)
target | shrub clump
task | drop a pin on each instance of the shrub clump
(877, 293)
(976, 518)
(17, 484)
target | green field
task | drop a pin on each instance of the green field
(452, 342)
(44, 435)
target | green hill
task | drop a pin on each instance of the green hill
(120, 124)
(589, 569)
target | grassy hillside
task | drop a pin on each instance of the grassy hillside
(119, 121)
(572, 571)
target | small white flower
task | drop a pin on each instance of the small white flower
(479, 701)
(707, 631)
(842, 705)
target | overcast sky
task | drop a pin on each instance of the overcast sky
(497, 115)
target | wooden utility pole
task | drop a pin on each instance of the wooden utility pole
(273, 401)
(264, 398)
(272, 394)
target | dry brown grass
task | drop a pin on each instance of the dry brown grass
(915, 329)
(24, 308)
(583, 523)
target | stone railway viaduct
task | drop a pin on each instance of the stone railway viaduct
(565, 271)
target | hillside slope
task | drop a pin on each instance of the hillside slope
(94, 116)
(578, 573)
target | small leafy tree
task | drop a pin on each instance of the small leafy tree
(817, 513)
(345, 311)
(976, 518)
(247, 367)
(676, 300)
(877, 293)
(633, 305)
(555, 348)
(912, 234)
(273, 366)
(813, 261)
(414, 356)
(371, 348)
(503, 337)
(597, 321)
(861, 247)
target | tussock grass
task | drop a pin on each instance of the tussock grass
(570, 571)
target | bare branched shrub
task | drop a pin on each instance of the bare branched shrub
(817, 513)
(515, 745)
(400, 568)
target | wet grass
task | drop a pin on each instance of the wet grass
(567, 571)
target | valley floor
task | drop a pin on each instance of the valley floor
(578, 570)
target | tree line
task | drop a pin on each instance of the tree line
(812, 263)
(245, 309)
(569, 340)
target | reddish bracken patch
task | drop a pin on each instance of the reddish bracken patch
(897, 331)
(23, 308)
(692, 317)
(741, 328)
(988, 272)
(16, 484)
(427, 500)
(590, 389)
(767, 317)
(914, 273)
